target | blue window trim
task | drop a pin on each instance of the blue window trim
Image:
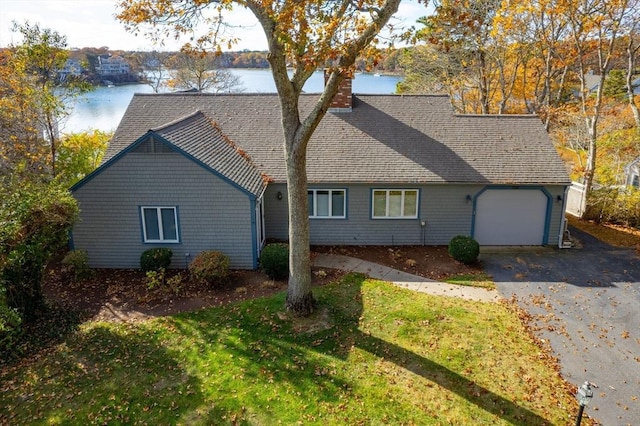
(344, 190)
(419, 197)
(161, 241)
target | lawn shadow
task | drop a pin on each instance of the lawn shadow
(265, 350)
(109, 374)
(425, 367)
(267, 343)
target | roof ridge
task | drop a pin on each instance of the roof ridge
(271, 94)
(178, 120)
(462, 115)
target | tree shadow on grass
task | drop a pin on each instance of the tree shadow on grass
(292, 353)
(108, 374)
(423, 366)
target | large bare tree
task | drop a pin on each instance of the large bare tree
(305, 34)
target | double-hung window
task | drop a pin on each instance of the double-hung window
(327, 203)
(159, 224)
(395, 204)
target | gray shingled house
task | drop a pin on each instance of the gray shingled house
(199, 172)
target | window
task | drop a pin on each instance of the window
(395, 203)
(159, 224)
(326, 203)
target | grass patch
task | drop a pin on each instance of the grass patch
(480, 279)
(614, 235)
(373, 353)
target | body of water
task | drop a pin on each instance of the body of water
(103, 107)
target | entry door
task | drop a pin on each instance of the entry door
(511, 217)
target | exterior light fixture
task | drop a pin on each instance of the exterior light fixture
(583, 396)
(279, 195)
(468, 198)
(559, 198)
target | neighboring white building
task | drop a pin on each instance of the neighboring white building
(72, 67)
(111, 65)
(632, 173)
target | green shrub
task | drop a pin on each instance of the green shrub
(155, 278)
(159, 280)
(464, 249)
(77, 261)
(614, 205)
(211, 267)
(10, 329)
(274, 260)
(36, 220)
(155, 259)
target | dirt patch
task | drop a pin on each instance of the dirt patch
(124, 295)
(431, 262)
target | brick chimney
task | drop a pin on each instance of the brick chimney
(342, 101)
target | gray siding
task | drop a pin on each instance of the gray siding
(443, 207)
(557, 213)
(213, 214)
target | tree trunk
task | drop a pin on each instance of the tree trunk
(631, 57)
(300, 299)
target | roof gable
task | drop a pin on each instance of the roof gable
(384, 139)
(199, 139)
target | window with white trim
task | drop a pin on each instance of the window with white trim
(159, 224)
(395, 204)
(327, 203)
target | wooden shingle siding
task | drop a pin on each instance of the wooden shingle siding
(213, 215)
(444, 208)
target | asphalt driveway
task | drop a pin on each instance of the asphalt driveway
(586, 303)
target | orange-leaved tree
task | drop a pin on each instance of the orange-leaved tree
(305, 34)
(594, 26)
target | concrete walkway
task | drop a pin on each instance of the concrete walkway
(403, 279)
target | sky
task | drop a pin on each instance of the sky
(91, 23)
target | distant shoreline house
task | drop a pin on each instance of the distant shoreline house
(195, 172)
(110, 65)
(72, 68)
(632, 173)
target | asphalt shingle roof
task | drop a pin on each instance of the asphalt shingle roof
(384, 139)
(199, 137)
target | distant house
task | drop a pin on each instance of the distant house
(110, 65)
(592, 82)
(195, 172)
(72, 68)
(632, 173)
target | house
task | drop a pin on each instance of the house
(632, 173)
(72, 67)
(195, 171)
(110, 65)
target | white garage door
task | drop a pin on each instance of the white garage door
(510, 217)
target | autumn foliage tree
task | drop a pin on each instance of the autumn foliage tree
(306, 35)
(22, 146)
(38, 59)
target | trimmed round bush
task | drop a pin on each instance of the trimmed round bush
(211, 267)
(464, 249)
(274, 260)
(155, 259)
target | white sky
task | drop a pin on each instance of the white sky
(91, 23)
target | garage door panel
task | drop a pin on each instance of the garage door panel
(510, 217)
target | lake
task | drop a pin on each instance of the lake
(103, 107)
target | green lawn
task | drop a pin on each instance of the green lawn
(373, 354)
